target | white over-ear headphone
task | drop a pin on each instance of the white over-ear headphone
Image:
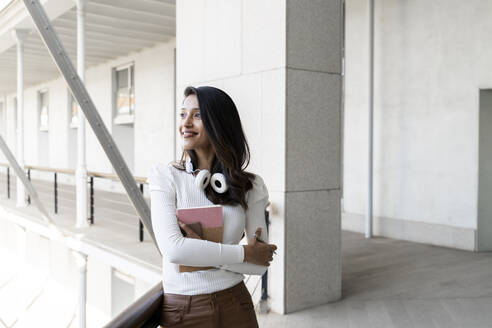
(217, 180)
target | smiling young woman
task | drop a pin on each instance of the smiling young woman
(213, 140)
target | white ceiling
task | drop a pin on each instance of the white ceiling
(113, 28)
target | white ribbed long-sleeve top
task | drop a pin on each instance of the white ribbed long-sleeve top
(171, 188)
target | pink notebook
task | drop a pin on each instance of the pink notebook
(210, 218)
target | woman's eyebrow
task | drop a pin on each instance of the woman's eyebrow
(184, 108)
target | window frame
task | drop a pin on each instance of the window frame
(127, 118)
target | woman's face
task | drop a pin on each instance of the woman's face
(190, 125)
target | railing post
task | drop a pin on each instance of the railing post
(8, 182)
(91, 183)
(29, 178)
(264, 279)
(140, 225)
(56, 195)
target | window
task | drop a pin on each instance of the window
(43, 110)
(124, 94)
(73, 111)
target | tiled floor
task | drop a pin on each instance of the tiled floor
(391, 283)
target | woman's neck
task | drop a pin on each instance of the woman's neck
(205, 158)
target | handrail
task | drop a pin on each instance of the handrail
(143, 313)
(49, 169)
(95, 174)
(114, 177)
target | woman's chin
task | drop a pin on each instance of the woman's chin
(187, 146)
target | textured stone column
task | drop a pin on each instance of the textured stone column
(312, 191)
(280, 61)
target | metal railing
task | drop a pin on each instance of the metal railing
(90, 174)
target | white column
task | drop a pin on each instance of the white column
(19, 36)
(81, 261)
(369, 205)
(81, 171)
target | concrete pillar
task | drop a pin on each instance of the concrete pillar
(81, 261)
(280, 61)
(81, 171)
(313, 109)
(20, 35)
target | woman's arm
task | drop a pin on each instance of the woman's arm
(176, 248)
(255, 218)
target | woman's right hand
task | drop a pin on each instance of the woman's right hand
(258, 252)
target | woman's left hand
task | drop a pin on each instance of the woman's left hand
(190, 233)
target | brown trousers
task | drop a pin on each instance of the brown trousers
(228, 308)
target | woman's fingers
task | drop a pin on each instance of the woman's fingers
(258, 234)
(255, 237)
(183, 226)
(189, 232)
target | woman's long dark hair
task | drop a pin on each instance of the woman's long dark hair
(222, 125)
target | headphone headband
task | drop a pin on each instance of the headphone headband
(188, 165)
(217, 180)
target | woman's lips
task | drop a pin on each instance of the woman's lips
(189, 135)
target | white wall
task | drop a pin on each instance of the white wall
(250, 67)
(431, 58)
(154, 115)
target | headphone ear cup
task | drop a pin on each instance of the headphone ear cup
(218, 182)
(202, 179)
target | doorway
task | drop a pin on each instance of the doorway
(484, 210)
